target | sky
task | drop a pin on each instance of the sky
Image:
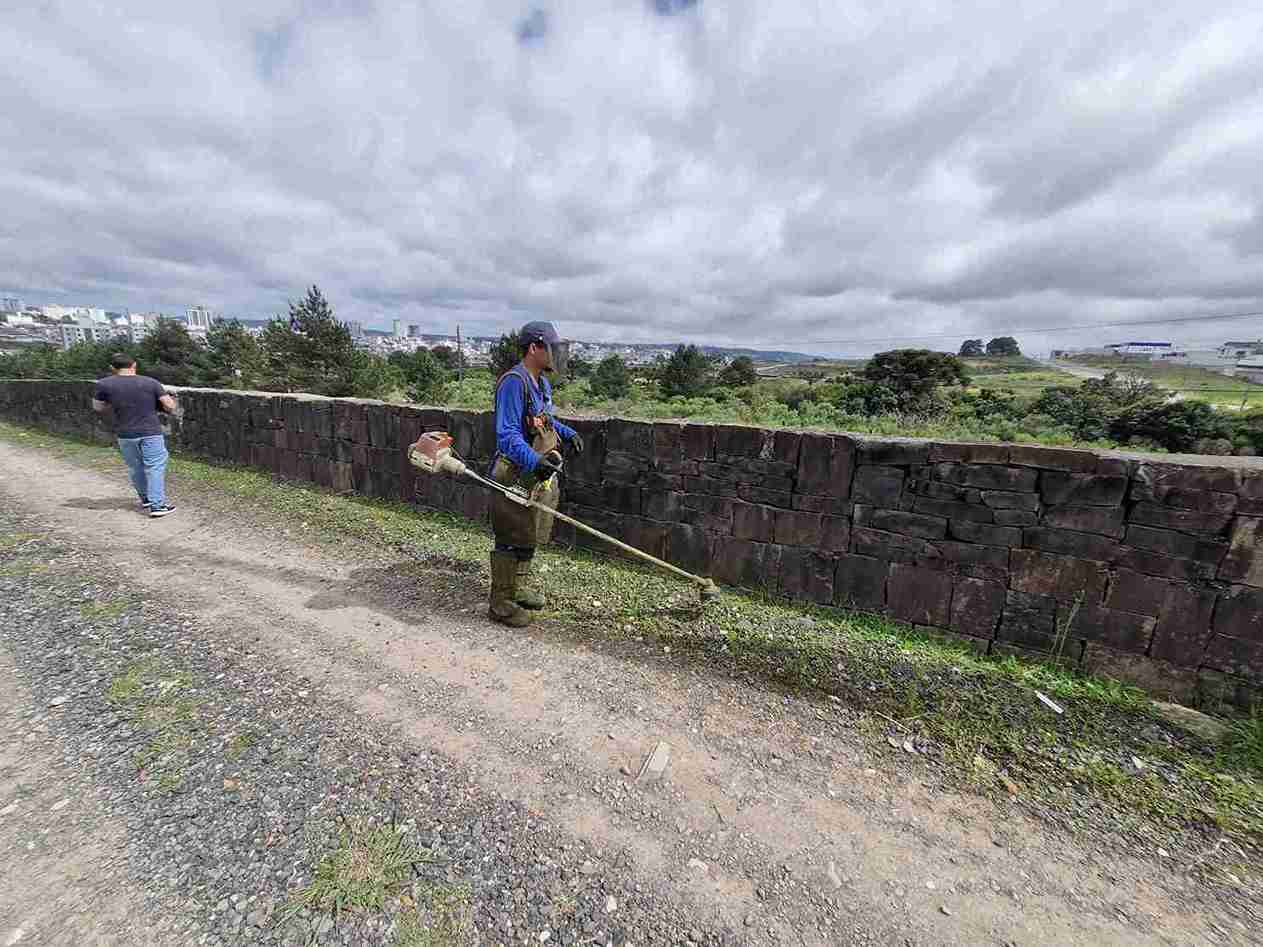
(802, 175)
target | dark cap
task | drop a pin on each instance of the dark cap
(544, 332)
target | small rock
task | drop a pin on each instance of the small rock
(698, 865)
(588, 868)
(58, 701)
(750, 922)
(1163, 853)
(9, 809)
(611, 905)
(944, 908)
(625, 770)
(908, 747)
(894, 743)
(58, 806)
(546, 936)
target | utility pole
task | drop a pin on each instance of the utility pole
(460, 356)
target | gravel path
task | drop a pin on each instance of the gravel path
(302, 688)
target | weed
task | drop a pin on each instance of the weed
(1243, 746)
(371, 863)
(240, 743)
(444, 919)
(111, 608)
(13, 540)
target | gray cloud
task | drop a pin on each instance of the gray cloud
(769, 174)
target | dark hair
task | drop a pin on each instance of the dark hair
(119, 361)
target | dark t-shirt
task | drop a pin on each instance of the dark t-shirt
(134, 399)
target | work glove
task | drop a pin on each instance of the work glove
(547, 465)
(576, 443)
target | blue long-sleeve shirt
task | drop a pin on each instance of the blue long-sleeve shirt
(512, 439)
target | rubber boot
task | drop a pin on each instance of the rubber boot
(526, 596)
(503, 591)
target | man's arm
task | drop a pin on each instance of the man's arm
(99, 406)
(167, 402)
(510, 405)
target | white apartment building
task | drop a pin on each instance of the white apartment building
(198, 319)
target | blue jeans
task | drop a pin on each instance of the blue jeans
(146, 459)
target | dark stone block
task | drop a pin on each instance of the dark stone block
(836, 534)
(1054, 458)
(1134, 592)
(976, 554)
(752, 494)
(1235, 656)
(668, 443)
(1244, 561)
(603, 520)
(289, 464)
(698, 441)
(711, 513)
(830, 505)
(322, 419)
(1161, 477)
(361, 455)
(797, 528)
(892, 453)
(1186, 521)
(689, 547)
(622, 498)
(977, 606)
(622, 467)
(322, 471)
(1179, 545)
(1063, 577)
(1239, 613)
(1183, 625)
(891, 546)
(1067, 542)
(806, 575)
(1105, 520)
(1121, 630)
(1005, 500)
(630, 437)
(645, 535)
(785, 448)
(987, 476)
(344, 414)
(1028, 620)
(1152, 563)
(953, 511)
(908, 524)
(709, 486)
(1082, 489)
(587, 466)
(753, 522)
(825, 465)
(1016, 518)
(1202, 501)
(937, 490)
(878, 486)
(584, 494)
(662, 483)
(341, 478)
(734, 440)
(919, 596)
(860, 582)
(970, 453)
(748, 564)
(986, 534)
(344, 451)
(463, 428)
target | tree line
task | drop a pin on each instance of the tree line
(307, 350)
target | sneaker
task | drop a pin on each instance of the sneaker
(158, 511)
(146, 505)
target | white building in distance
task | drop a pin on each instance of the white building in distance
(398, 329)
(198, 319)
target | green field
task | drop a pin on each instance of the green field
(1190, 381)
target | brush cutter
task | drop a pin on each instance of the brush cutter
(433, 454)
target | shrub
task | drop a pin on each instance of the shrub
(915, 374)
(1175, 425)
(739, 373)
(610, 379)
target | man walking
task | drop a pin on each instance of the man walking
(527, 455)
(135, 401)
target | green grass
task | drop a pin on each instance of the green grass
(369, 864)
(240, 743)
(442, 919)
(1243, 748)
(1193, 382)
(978, 714)
(157, 701)
(111, 608)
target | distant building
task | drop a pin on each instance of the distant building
(1251, 369)
(1241, 349)
(398, 329)
(198, 319)
(414, 332)
(84, 329)
(10, 304)
(356, 329)
(137, 325)
(1150, 349)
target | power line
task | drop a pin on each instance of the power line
(1176, 320)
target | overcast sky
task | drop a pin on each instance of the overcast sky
(775, 174)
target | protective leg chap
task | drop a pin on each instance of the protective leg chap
(527, 596)
(504, 607)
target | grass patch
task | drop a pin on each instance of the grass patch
(370, 863)
(240, 743)
(158, 703)
(111, 608)
(444, 918)
(1243, 746)
(13, 540)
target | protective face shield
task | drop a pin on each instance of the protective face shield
(545, 333)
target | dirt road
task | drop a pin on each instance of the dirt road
(772, 822)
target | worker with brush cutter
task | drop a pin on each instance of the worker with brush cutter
(528, 455)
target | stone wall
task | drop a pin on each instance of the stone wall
(1153, 565)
